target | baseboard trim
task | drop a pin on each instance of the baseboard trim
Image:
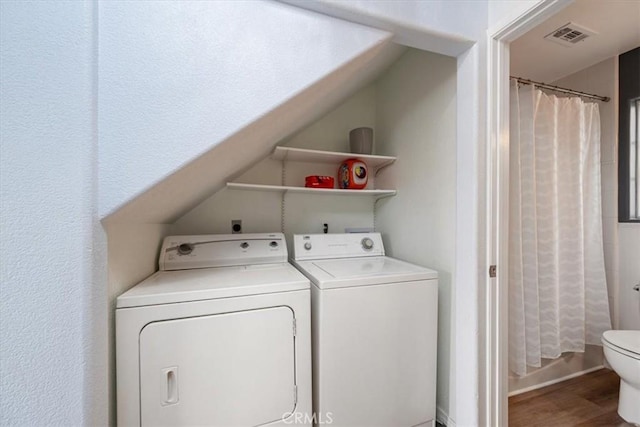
(443, 418)
(555, 381)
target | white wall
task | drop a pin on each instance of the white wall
(418, 24)
(133, 251)
(177, 79)
(53, 281)
(629, 276)
(261, 211)
(503, 12)
(332, 131)
(467, 403)
(416, 121)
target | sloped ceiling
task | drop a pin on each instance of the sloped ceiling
(191, 94)
(440, 26)
(199, 90)
(179, 192)
(616, 22)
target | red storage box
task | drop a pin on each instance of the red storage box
(319, 181)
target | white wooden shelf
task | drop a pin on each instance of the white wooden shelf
(327, 191)
(316, 156)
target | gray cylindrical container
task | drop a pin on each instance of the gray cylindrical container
(361, 140)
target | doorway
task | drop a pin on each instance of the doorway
(500, 55)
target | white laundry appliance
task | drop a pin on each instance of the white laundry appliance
(374, 327)
(220, 336)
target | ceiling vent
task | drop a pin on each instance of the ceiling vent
(569, 34)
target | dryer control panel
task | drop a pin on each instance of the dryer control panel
(221, 250)
(326, 246)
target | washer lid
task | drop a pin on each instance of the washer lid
(167, 287)
(347, 272)
(625, 340)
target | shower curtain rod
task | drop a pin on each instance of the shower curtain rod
(561, 89)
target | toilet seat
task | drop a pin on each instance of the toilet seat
(623, 342)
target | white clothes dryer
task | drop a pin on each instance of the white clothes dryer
(374, 328)
(220, 336)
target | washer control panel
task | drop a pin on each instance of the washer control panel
(325, 246)
(222, 250)
(367, 243)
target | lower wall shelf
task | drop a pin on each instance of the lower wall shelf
(326, 191)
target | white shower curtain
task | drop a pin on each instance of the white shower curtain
(558, 298)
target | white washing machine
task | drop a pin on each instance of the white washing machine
(220, 336)
(374, 327)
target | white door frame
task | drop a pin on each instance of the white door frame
(494, 313)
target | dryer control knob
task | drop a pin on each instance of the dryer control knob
(307, 245)
(367, 243)
(244, 245)
(185, 248)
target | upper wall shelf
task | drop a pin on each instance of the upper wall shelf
(315, 156)
(328, 191)
(375, 163)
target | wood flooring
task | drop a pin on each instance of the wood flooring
(588, 400)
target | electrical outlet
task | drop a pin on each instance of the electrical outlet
(236, 226)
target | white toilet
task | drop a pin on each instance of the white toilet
(622, 350)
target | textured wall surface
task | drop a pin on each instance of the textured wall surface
(502, 12)
(261, 211)
(629, 275)
(440, 26)
(416, 121)
(47, 156)
(179, 78)
(133, 256)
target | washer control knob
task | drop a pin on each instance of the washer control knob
(244, 245)
(273, 244)
(367, 243)
(307, 245)
(185, 248)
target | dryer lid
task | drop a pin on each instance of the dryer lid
(625, 340)
(168, 287)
